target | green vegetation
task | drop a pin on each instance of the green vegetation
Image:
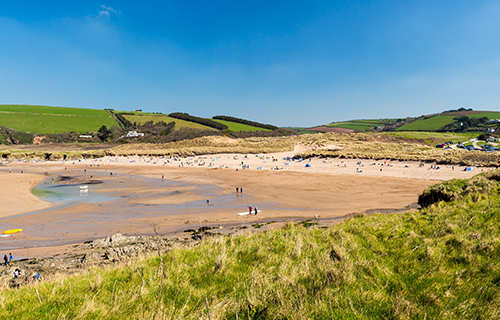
(489, 115)
(360, 125)
(248, 122)
(233, 126)
(429, 124)
(456, 189)
(179, 123)
(42, 119)
(442, 262)
(51, 110)
(207, 122)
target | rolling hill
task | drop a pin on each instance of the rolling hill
(45, 119)
(141, 118)
(444, 121)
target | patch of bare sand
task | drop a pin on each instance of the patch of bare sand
(16, 196)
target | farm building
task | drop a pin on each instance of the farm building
(133, 134)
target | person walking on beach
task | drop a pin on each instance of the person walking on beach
(6, 260)
(237, 189)
(10, 258)
(255, 210)
(241, 190)
(250, 209)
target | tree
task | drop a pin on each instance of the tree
(103, 133)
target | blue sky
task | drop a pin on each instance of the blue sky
(282, 62)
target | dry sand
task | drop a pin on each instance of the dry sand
(328, 188)
(16, 196)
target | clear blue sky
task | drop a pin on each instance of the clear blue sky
(282, 62)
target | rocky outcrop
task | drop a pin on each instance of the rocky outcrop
(102, 251)
(119, 247)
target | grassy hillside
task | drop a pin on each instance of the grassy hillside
(361, 125)
(233, 126)
(433, 123)
(440, 263)
(43, 119)
(179, 123)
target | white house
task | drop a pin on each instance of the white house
(133, 134)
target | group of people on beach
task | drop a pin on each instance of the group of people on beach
(8, 259)
(250, 208)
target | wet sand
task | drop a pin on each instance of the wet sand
(326, 189)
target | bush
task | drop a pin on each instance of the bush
(454, 189)
(124, 120)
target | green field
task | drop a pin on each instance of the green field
(489, 115)
(42, 119)
(234, 126)
(139, 118)
(52, 110)
(354, 125)
(433, 123)
(360, 125)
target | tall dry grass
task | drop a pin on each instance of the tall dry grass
(338, 145)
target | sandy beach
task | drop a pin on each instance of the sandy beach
(16, 196)
(281, 187)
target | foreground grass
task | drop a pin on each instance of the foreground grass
(440, 263)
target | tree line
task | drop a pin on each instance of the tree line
(207, 122)
(247, 122)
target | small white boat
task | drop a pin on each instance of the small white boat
(84, 188)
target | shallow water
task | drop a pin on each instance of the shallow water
(106, 206)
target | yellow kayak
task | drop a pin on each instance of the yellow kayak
(12, 231)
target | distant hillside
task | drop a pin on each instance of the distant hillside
(141, 118)
(461, 120)
(47, 120)
(451, 121)
(234, 126)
